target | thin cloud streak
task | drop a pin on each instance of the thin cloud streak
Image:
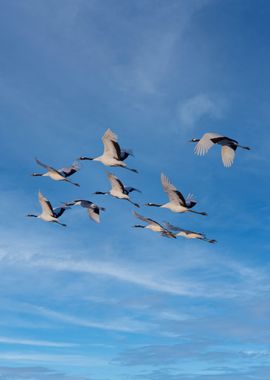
(124, 325)
(124, 274)
(52, 358)
(155, 281)
(39, 343)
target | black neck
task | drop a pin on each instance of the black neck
(153, 204)
(86, 158)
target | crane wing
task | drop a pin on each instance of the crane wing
(84, 203)
(111, 146)
(174, 195)
(188, 232)
(125, 153)
(67, 172)
(129, 189)
(146, 220)
(227, 154)
(45, 166)
(116, 183)
(205, 143)
(167, 234)
(93, 213)
(45, 205)
(190, 201)
(58, 211)
(172, 227)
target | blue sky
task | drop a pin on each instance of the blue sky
(108, 302)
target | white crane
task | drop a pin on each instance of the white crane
(153, 226)
(60, 174)
(177, 201)
(112, 154)
(188, 234)
(118, 190)
(228, 149)
(93, 210)
(49, 214)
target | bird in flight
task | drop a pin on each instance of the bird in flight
(228, 149)
(93, 210)
(153, 226)
(188, 234)
(118, 190)
(49, 214)
(177, 202)
(60, 174)
(112, 154)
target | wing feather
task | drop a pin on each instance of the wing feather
(67, 172)
(45, 166)
(111, 146)
(205, 143)
(146, 220)
(116, 183)
(93, 213)
(174, 195)
(45, 204)
(58, 211)
(227, 154)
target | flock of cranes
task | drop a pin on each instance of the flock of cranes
(114, 156)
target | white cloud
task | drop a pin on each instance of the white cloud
(122, 325)
(30, 342)
(71, 360)
(130, 275)
(193, 109)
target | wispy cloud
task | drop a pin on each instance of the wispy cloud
(37, 373)
(53, 358)
(32, 342)
(122, 325)
(191, 110)
(190, 286)
(123, 273)
(203, 351)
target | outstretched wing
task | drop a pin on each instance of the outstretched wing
(116, 183)
(172, 227)
(125, 153)
(93, 213)
(67, 172)
(167, 234)
(205, 143)
(45, 205)
(227, 154)
(45, 166)
(174, 195)
(129, 189)
(58, 211)
(146, 220)
(111, 146)
(190, 201)
(188, 232)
